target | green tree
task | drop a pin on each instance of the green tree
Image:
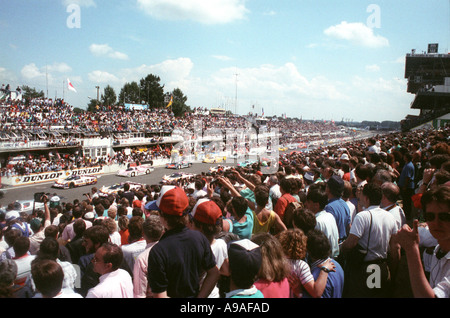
(179, 107)
(29, 93)
(130, 93)
(93, 105)
(109, 97)
(152, 92)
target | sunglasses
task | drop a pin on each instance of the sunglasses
(444, 217)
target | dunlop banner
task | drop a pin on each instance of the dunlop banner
(54, 175)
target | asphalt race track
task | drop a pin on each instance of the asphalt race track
(12, 194)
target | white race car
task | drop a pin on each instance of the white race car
(179, 165)
(135, 171)
(74, 181)
(176, 176)
(27, 206)
(106, 190)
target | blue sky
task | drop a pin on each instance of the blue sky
(320, 59)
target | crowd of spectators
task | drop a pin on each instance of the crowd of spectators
(239, 232)
(42, 119)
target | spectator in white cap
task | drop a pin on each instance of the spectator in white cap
(14, 220)
(245, 262)
(181, 255)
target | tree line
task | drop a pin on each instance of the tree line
(148, 91)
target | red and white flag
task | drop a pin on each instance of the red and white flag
(70, 86)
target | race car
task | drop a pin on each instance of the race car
(219, 168)
(115, 188)
(176, 176)
(215, 159)
(135, 171)
(178, 165)
(246, 163)
(74, 181)
(26, 206)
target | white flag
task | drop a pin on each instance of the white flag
(70, 86)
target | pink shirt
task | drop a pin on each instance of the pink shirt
(141, 288)
(274, 289)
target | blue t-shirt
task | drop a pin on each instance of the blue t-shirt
(407, 171)
(341, 213)
(335, 281)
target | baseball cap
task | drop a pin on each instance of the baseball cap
(336, 183)
(206, 211)
(137, 204)
(12, 215)
(35, 224)
(89, 216)
(172, 200)
(309, 176)
(245, 261)
(344, 157)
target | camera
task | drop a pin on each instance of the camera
(39, 197)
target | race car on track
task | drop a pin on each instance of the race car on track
(246, 163)
(214, 159)
(135, 171)
(176, 176)
(74, 181)
(179, 165)
(26, 206)
(115, 188)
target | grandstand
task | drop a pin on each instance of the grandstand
(48, 135)
(428, 76)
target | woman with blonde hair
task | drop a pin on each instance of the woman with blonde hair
(294, 243)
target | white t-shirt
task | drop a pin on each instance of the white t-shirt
(326, 223)
(440, 275)
(117, 284)
(132, 251)
(384, 226)
(352, 208)
(115, 238)
(220, 251)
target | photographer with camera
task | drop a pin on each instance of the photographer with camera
(38, 225)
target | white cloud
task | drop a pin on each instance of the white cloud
(31, 71)
(222, 57)
(103, 50)
(357, 33)
(206, 12)
(170, 71)
(372, 68)
(173, 73)
(270, 13)
(6, 76)
(102, 77)
(59, 67)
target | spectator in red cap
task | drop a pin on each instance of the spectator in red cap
(206, 217)
(177, 262)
